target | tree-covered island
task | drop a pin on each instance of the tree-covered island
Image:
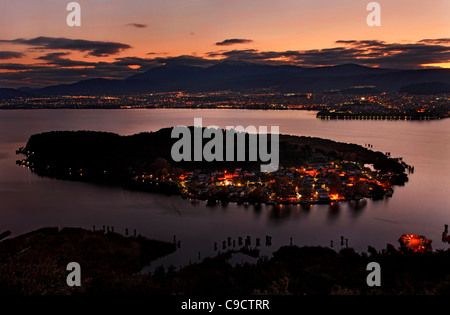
(312, 170)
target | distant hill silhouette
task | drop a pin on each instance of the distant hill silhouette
(12, 93)
(426, 88)
(244, 76)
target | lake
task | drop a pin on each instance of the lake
(421, 206)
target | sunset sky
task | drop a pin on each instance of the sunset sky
(121, 38)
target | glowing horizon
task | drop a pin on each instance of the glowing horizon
(125, 38)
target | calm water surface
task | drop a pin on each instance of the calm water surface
(28, 202)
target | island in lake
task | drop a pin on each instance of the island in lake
(312, 170)
(35, 263)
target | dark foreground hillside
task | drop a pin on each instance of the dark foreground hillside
(35, 263)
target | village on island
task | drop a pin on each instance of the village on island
(320, 181)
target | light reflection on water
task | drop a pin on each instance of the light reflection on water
(420, 207)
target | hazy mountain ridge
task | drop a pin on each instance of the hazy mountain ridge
(241, 76)
(12, 93)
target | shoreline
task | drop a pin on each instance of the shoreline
(321, 114)
(325, 115)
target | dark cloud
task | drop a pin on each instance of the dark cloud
(436, 41)
(241, 54)
(306, 57)
(94, 48)
(186, 60)
(62, 71)
(346, 41)
(143, 63)
(233, 41)
(16, 66)
(405, 56)
(10, 55)
(138, 25)
(53, 56)
(147, 63)
(57, 67)
(56, 59)
(156, 53)
(364, 52)
(361, 43)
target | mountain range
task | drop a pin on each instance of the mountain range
(244, 76)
